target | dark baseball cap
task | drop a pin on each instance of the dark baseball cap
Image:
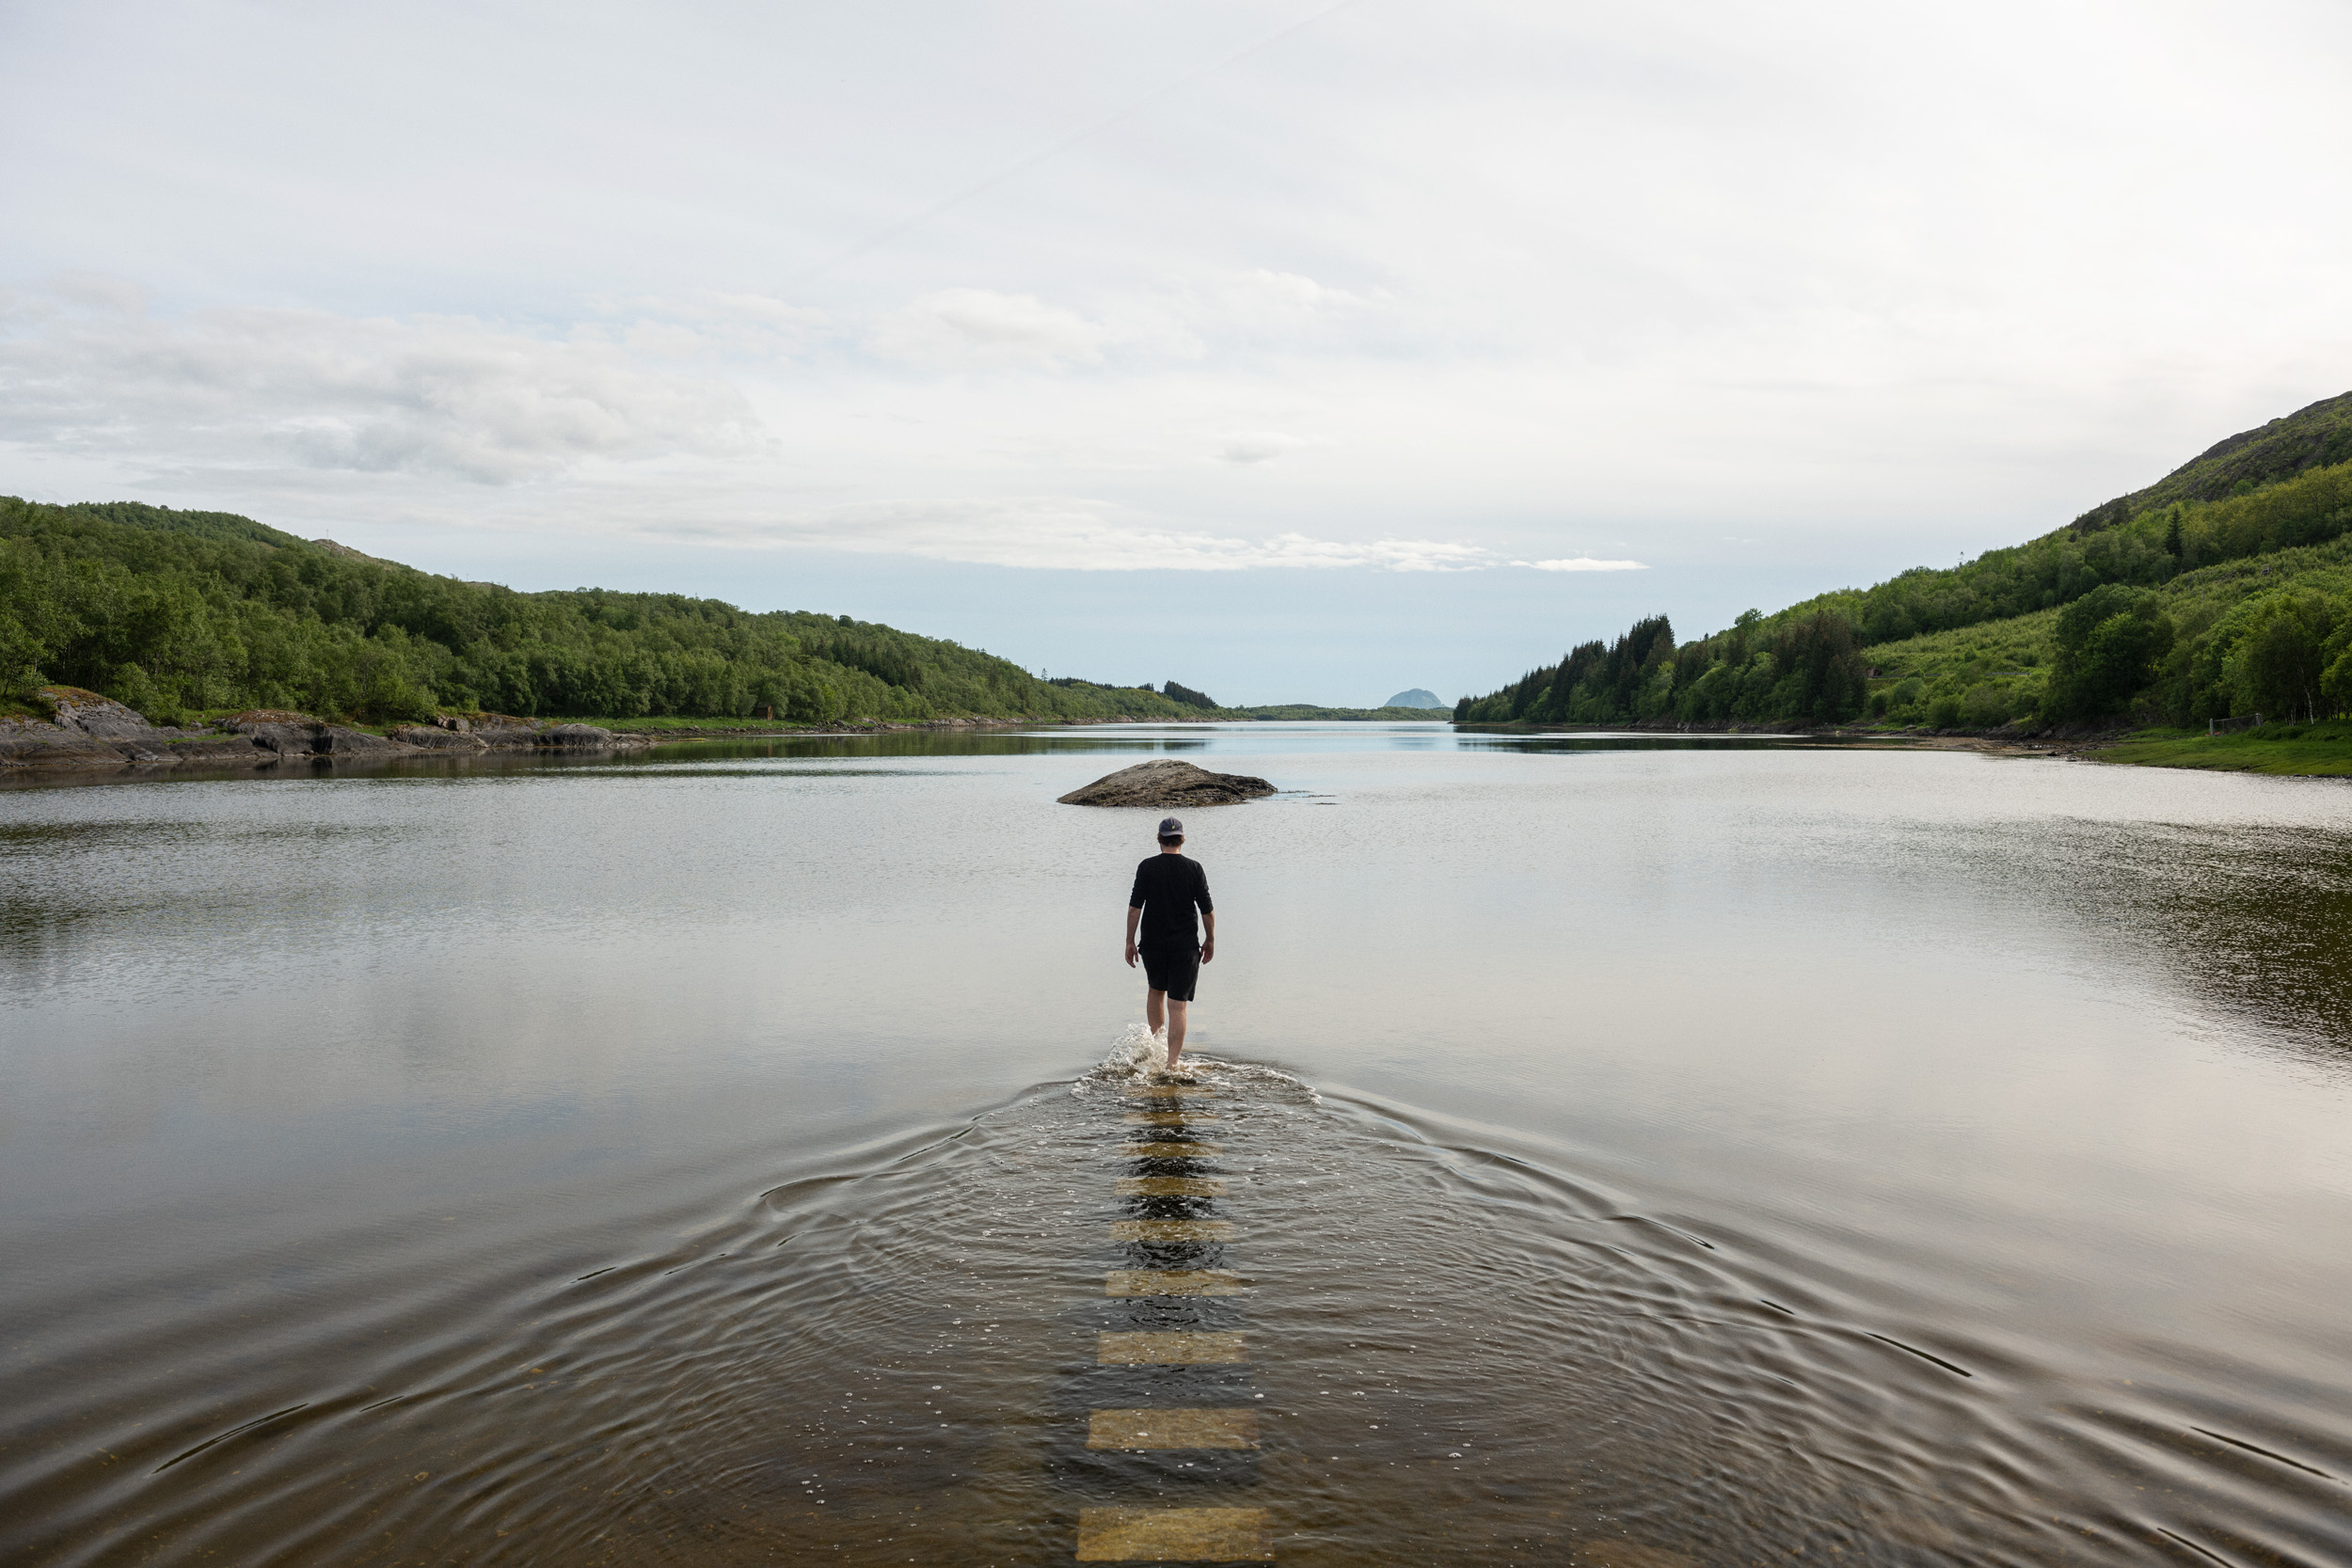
(1170, 828)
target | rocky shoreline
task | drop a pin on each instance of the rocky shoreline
(91, 734)
(89, 731)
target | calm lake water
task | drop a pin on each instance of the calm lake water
(1638, 1154)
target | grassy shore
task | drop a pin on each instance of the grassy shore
(2307, 750)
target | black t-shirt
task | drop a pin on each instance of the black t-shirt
(1166, 888)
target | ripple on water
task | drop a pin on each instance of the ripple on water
(1441, 1353)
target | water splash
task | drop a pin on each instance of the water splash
(1136, 1054)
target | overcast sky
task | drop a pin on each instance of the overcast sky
(1294, 350)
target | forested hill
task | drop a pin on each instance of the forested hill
(2223, 588)
(186, 613)
(2315, 436)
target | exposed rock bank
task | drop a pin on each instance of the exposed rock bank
(91, 732)
(1166, 783)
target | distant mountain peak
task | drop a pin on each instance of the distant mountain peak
(1420, 696)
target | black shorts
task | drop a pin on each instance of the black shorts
(1173, 970)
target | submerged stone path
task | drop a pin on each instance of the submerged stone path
(1178, 1349)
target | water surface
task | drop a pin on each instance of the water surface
(1641, 1153)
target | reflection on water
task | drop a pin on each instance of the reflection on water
(2257, 920)
(952, 743)
(1649, 1157)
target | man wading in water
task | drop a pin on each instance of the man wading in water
(1167, 887)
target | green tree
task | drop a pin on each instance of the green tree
(2108, 645)
(205, 611)
(1187, 696)
(2281, 659)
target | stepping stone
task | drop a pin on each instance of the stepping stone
(1172, 1282)
(1165, 1118)
(1175, 1535)
(1170, 1151)
(1170, 1350)
(1171, 1186)
(1172, 1230)
(1172, 1428)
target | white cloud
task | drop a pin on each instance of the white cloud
(1265, 309)
(1582, 563)
(240, 388)
(1257, 446)
(1068, 533)
(1150, 324)
(1854, 282)
(978, 328)
(798, 319)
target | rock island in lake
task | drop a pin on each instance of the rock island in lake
(1166, 782)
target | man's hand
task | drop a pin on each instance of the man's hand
(1131, 954)
(1208, 950)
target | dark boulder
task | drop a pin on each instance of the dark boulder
(278, 730)
(90, 731)
(193, 748)
(433, 737)
(573, 735)
(87, 713)
(298, 734)
(1166, 783)
(34, 743)
(335, 740)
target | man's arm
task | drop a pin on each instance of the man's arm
(1133, 914)
(1208, 914)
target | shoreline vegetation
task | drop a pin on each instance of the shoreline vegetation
(2295, 751)
(2298, 750)
(2220, 596)
(89, 731)
(203, 629)
(192, 616)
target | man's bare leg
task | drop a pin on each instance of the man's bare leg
(1155, 1010)
(1175, 1031)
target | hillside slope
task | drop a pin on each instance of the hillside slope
(181, 614)
(2314, 436)
(2223, 588)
